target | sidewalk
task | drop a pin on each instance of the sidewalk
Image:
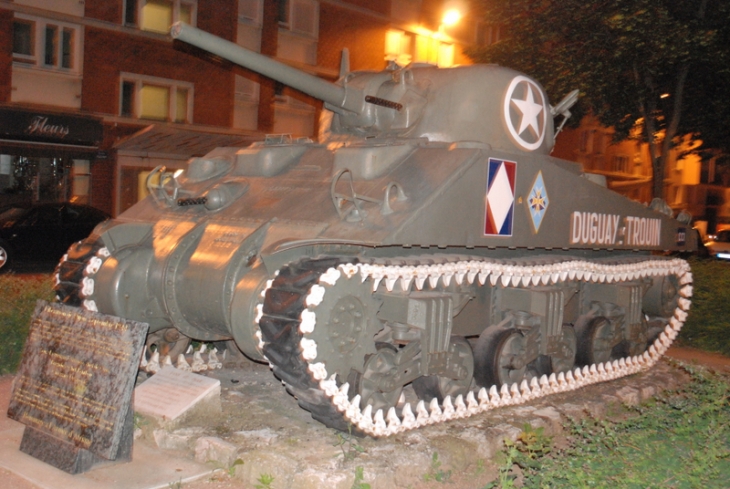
(150, 468)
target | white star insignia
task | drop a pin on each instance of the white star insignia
(530, 110)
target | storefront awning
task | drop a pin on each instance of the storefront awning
(33, 126)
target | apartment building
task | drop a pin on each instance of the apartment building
(94, 94)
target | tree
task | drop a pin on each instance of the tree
(636, 62)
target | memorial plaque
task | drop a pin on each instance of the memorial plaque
(171, 393)
(73, 390)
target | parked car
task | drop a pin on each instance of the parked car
(719, 245)
(43, 232)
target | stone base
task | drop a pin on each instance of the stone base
(70, 458)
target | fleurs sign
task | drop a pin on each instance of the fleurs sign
(27, 125)
(40, 126)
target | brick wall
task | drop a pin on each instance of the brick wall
(102, 185)
(107, 10)
(382, 7)
(219, 17)
(364, 37)
(216, 16)
(6, 54)
(108, 53)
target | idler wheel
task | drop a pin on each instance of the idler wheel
(346, 326)
(499, 357)
(375, 384)
(438, 386)
(168, 341)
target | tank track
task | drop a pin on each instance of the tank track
(287, 315)
(73, 277)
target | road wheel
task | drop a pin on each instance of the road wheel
(595, 341)
(435, 386)
(565, 360)
(499, 357)
(168, 341)
(372, 385)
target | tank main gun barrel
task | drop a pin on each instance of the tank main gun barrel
(335, 95)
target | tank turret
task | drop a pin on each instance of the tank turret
(435, 263)
(416, 101)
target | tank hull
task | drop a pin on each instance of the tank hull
(427, 260)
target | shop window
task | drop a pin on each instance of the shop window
(146, 97)
(34, 179)
(159, 15)
(300, 16)
(51, 45)
(81, 185)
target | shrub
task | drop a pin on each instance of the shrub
(18, 296)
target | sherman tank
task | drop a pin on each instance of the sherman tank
(425, 260)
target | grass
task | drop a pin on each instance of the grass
(708, 323)
(18, 296)
(680, 440)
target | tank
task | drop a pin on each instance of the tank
(426, 259)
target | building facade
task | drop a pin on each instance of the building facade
(691, 183)
(94, 94)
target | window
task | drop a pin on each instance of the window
(398, 47)
(246, 89)
(147, 97)
(300, 16)
(251, 11)
(23, 37)
(81, 184)
(585, 140)
(67, 52)
(52, 45)
(431, 49)
(620, 164)
(130, 12)
(445, 55)
(599, 143)
(159, 15)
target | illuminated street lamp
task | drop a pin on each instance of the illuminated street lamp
(451, 17)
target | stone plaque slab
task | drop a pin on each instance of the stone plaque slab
(170, 393)
(74, 388)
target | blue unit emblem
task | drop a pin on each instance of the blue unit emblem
(538, 201)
